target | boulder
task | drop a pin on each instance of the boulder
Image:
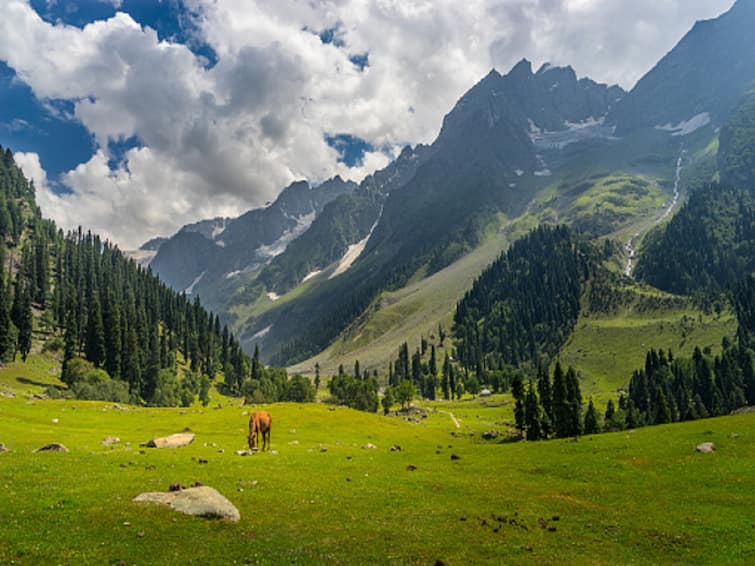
(706, 447)
(110, 440)
(8, 394)
(172, 441)
(369, 446)
(202, 501)
(3, 448)
(490, 434)
(53, 447)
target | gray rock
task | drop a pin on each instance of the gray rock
(3, 448)
(110, 440)
(53, 447)
(202, 501)
(706, 447)
(172, 441)
(8, 394)
(490, 434)
(244, 452)
(369, 446)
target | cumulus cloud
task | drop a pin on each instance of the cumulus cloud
(216, 141)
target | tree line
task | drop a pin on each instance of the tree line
(107, 317)
(523, 307)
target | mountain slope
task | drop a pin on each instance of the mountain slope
(483, 162)
(700, 81)
(218, 247)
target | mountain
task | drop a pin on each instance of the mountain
(699, 82)
(210, 251)
(487, 160)
(736, 154)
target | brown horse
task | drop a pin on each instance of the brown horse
(260, 422)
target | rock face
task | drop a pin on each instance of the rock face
(706, 447)
(202, 501)
(172, 441)
(54, 447)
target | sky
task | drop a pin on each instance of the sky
(135, 117)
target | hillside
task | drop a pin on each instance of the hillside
(116, 331)
(528, 503)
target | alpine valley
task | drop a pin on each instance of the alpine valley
(531, 341)
(336, 273)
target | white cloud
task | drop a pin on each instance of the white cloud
(218, 141)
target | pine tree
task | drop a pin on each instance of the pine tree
(95, 341)
(546, 400)
(433, 366)
(317, 376)
(662, 409)
(446, 383)
(592, 426)
(357, 373)
(533, 414)
(574, 402)
(561, 419)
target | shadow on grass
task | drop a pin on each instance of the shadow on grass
(27, 381)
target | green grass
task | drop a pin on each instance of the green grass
(409, 313)
(606, 350)
(643, 497)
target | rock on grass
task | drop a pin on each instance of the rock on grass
(706, 447)
(202, 501)
(172, 441)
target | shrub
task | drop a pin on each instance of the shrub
(299, 390)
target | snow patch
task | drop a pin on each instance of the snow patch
(543, 173)
(190, 289)
(533, 127)
(311, 274)
(261, 333)
(354, 251)
(220, 243)
(519, 172)
(554, 86)
(273, 296)
(279, 246)
(687, 126)
(232, 274)
(590, 128)
(218, 229)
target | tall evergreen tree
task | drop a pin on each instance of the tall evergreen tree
(95, 342)
(533, 414)
(592, 424)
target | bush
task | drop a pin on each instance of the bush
(167, 389)
(354, 393)
(111, 390)
(88, 382)
(299, 390)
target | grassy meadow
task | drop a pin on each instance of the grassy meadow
(640, 497)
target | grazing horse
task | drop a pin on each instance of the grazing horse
(260, 422)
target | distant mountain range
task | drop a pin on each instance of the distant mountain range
(516, 150)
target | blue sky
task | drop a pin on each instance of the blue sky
(135, 117)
